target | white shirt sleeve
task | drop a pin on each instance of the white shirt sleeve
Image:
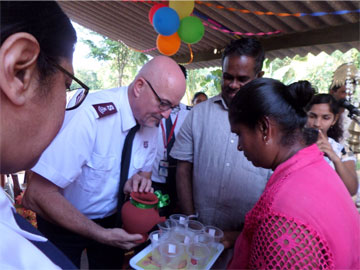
(62, 161)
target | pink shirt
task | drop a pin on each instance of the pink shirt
(304, 218)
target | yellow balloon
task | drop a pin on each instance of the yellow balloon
(183, 8)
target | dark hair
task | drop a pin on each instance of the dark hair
(268, 97)
(335, 131)
(198, 94)
(47, 23)
(183, 69)
(250, 47)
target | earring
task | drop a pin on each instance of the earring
(265, 139)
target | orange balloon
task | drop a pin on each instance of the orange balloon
(168, 45)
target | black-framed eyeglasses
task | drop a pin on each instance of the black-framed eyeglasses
(164, 105)
(80, 93)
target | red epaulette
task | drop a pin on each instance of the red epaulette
(104, 109)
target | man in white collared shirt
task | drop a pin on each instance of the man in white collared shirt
(76, 181)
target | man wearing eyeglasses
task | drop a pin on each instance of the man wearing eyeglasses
(76, 186)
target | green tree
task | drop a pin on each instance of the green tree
(117, 54)
(317, 69)
(207, 80)
(90, 78)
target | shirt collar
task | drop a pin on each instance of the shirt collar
(127, 117)
(219, 99)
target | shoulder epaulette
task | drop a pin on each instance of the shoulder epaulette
(104, 109)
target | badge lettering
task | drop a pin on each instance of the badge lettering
(104, 109)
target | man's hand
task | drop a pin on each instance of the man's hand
(229, 238)
(119, 238)
(138, 183)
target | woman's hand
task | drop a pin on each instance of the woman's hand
(326, 147)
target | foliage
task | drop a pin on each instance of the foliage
(89, 77)
(316, 69)
(207, 80)
(118, 55)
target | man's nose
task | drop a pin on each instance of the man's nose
(235, 84)
(166, 113)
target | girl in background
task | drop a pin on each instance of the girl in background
(323, 115)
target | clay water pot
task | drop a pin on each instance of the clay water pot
(140, 213)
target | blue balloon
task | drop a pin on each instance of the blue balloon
(166, 21)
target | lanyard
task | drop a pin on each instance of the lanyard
(171, 131)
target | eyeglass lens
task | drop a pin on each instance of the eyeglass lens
(74, 98)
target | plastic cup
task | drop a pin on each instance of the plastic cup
(180, 219)
(203, 238)
(214, 232)
(194, 227)
(198, 255)
(206, 239)
(156, 237)
(167, 227)
(172, 255)
(182, 237)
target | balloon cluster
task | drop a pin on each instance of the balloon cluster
(174, 24)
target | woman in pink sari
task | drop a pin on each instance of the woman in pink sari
(305, 219)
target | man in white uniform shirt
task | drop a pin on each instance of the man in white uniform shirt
(75, 186)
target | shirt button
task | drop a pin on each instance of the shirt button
(227, 164)
(232, 141)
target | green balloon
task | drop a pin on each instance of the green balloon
(191, 30)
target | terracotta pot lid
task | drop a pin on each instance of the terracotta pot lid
(144, 197)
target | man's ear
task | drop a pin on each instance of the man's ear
(260, 74)
(138, 86)
(18, 56)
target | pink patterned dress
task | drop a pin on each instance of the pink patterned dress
(305, 219)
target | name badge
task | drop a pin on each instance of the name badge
(163, 168)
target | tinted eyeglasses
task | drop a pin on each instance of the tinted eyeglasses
(164, 105)
(80, 93)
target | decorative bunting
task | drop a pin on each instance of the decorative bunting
(281, 14)
(242, 34)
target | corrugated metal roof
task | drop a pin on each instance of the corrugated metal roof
(127, 21)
